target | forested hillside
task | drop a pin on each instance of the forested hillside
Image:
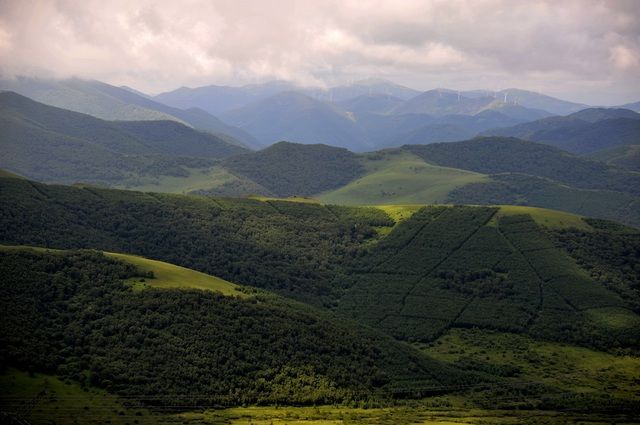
(584, 132)
(422, 275)
(312, 358)
(108, 102)
(53, 144)
(494, 155)
(288, 169)
(425, 276)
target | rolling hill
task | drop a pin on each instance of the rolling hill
(584, 132)
(442, 102)
(370, 104)
(165, 329)
(493, 155)
(368, 86)
(287, 169)
(634, 106)
(108, 102)
(540, 101)
(217, 100)
(438, 284)
(295, 116)
(53, 144)
(627, 157)
(399, 177)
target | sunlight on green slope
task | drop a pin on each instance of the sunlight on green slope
(198, 179)
(166, 276)
(64, 402)
(562, 366)
(169, 276)
(544, 217)
(399, 213)
(397, 177)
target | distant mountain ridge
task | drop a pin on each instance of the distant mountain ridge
(584, 132)
(53, 144)
(115, 103)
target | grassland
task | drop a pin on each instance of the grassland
(198, 179)
(399, 177)
(568, 369)
(552, 219)
(59, 402)
(170, 276)
(166, 276)
(399, 213)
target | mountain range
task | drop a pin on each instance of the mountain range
(361, 116)
(115, 103)
(584, 132)
(400, 257)
(54, 144)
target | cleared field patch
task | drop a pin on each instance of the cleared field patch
(166, 276)
(169, 276)
(614, 317)
(552, 219)
(425, 413)
(567, 368)
(399, 213)
(63, 402)
(300, 199)
(400, 178)
(215, 180)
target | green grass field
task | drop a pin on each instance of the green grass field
(199, 179)
(567, 368)
(544, 217)
(398, 177)
(399, 213)
(58, 402)
(169, 276)
(166, 276)
(301, 199)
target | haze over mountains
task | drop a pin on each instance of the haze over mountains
(166, 153)
(365, 115)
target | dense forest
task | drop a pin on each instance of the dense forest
(52, 144)
(288, 169)
(494, 155)
(443, 267)
(70, 314)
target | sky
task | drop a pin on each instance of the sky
(581, 50)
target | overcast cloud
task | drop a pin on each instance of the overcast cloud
(583, 50)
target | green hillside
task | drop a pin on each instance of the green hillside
(311, 252)
(287, 169)
(493, 155)
(585, 132)
(169, 276)
(171, 333)
(108, 102)
(477, 267)
(52, 144)
(627, 157)
(520, 189)
(468, 306)
(398, 177)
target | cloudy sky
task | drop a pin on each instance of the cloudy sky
(582, 50)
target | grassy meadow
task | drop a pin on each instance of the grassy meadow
(399, 177)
